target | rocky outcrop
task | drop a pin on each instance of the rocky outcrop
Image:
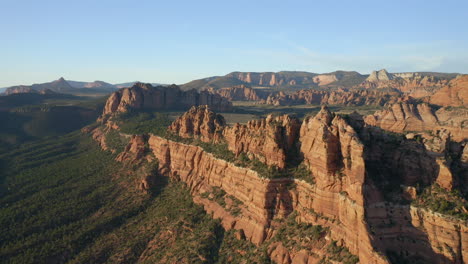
(136, 149)
(361, 176)
(274, 79)
(263, 200)
(454, 94)
(340, 97)
(413, 116)
(240, 93)
(331, 148)
(145, 96)
(413, 84)
(199, 122)
(19, 89)
(269, 140)
(405, 116)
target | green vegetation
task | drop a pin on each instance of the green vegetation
(440, 200)
(26, 117)
(341, 254)
(297, 236)
(141, 122)
(57, 196)
(235, 251)
(221, 151)
(116, 141)
(63, 200)
(228, 202)
(301, 111)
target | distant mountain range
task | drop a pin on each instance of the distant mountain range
(295, 80)
(68, 87)
(418, 83)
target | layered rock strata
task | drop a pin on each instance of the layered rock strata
(412, 116)
(145, 96)
(340, 97)
(357, 169)
(454, 94)
(269, 140)
(199, 122)
(240, 93)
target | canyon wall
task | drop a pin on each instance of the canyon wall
(145, 96)
(264, 199)
(356, 176)
(240, 93)
(269, 139)
(340, 97)
(413, 116)
(199, 122)
(454, 94)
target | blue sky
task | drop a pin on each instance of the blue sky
(178, 41)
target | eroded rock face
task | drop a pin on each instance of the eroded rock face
(412, 116)
(340, 97)
(410, 83)
(332, 150)
(405, 116)
(453, 94)
(264, 199)
(271, 78)
(239, 93)
(141, 96)
(199, 122)
(135, 150)
(268, 140)
(348, 160)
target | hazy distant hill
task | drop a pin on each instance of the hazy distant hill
(296, 80)
(63, 86)
(284, 80)
(60, 85)
(95, 84)
(130, 84)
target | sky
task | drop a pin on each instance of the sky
(178, 41)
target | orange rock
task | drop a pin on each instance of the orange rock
(268, 140)
(413, 116)
(199, 122)
(453, 94)
(239, 93)
(141, 96)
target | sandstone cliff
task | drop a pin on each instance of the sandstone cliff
(413, 116)
(269, 140)
(414, 84)
(340, 97)
(199, 122)
(145, 96)
(240, 93)
(454, 94)
(364, 179)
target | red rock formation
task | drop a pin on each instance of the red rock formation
(141, 96)
(409, 83)
(135, 150)
(349, 170)
(412, 116)
(199, 122)
(239, 93)
(454, 94)
(268, 140)
(358, 97)
(274, 79)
